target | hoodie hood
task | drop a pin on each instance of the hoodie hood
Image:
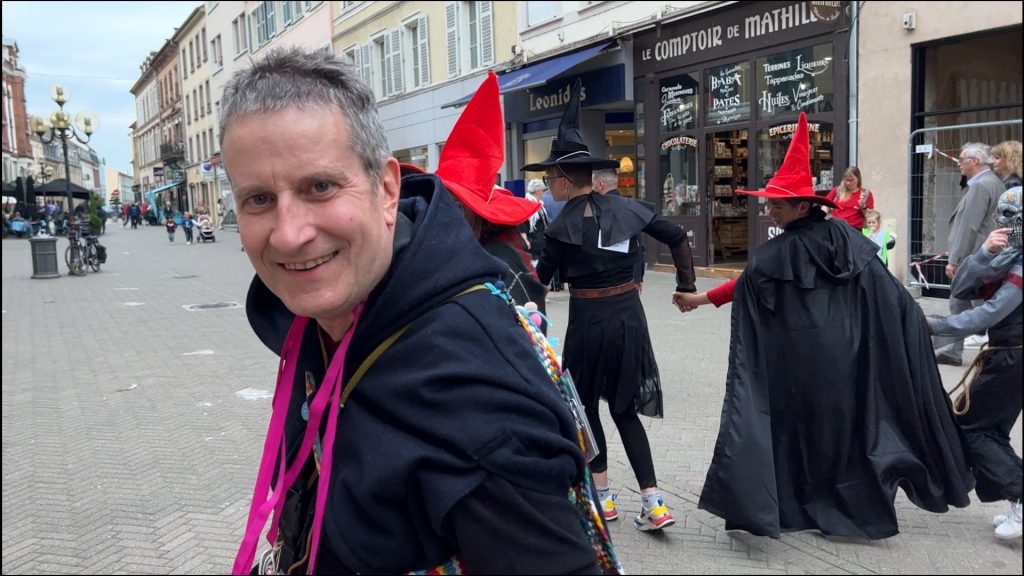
(435, 256)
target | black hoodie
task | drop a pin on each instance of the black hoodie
(455, 440)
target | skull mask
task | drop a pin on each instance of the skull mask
(1008, 215)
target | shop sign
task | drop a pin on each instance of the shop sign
(733, 31)
(599, 86)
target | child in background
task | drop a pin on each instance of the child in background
(883, 237)
(171, 227)
(187, 224)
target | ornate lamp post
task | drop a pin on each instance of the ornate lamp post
(59, 125)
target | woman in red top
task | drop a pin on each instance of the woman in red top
(852, 198)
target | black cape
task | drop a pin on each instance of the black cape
(619, 218)
(833, 397)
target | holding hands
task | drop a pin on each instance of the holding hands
(689, 301)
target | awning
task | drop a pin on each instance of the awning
(164, 187)
(538, 74)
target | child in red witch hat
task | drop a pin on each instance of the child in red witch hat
(792, 181)
(832, 397)
(469, 163)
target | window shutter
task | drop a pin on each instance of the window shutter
(357, 62)
(387, 87)
(366, 63)
(394, 38)
(451, 22)
(486, 34)
(422, 39)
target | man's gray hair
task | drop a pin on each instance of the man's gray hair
(296, 78)
(535, 185)
(978, 151)
(608, 176)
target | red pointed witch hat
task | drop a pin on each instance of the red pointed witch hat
(472, 157)
(794, 180)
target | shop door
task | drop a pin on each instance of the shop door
(681, 201)
(726, 173)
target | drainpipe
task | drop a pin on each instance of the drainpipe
(853, 123)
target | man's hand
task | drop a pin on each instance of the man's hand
(950, 271)
(997, 240)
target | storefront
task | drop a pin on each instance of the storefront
(717, 99)
(607, 120)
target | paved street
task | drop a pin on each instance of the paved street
(132, 429)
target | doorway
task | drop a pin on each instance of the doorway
(727, 169)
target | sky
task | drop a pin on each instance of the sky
(94, 50)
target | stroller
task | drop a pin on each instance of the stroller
(206, 229)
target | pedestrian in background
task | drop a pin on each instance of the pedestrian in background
(187, 226)
(1006, 163)
(172, 226)
(970, 225)
(850, 198)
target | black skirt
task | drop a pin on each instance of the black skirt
(608, 353)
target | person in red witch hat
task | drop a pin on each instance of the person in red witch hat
(833, 398)
(472, 156)
(594, 245)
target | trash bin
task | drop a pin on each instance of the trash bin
(44, 257)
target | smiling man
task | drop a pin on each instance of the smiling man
(413, 427)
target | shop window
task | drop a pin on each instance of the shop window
(727, 94)
(621, 146)
(536, 150)
(772, 144)
(800, 80)
(416, 156)
(727, 173)
(678, 168)
(679, 98)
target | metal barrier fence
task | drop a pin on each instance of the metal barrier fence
(934, 191)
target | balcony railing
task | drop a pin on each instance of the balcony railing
(172, 152)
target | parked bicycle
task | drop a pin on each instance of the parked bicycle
(83, 251)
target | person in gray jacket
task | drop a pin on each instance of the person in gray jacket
(970, 225)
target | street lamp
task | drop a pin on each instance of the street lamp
(60, 126)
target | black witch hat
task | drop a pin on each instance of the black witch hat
(568, 147)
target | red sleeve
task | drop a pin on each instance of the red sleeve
(871, 201)
(722, 294)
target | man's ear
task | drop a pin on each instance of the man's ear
(389, 188)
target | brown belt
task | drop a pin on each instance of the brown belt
(602, 292)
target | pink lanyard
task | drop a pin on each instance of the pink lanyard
(274, 447)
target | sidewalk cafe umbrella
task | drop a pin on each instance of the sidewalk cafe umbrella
(57, 188)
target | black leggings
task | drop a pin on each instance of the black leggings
(634, 440)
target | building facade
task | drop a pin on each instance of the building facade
(228, 25)
(197, 57)
(418, 56)
(948, 73)
(717, 99)
(17, 146)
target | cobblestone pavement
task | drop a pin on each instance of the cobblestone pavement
(132, 429)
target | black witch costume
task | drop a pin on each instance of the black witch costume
(594, 245)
